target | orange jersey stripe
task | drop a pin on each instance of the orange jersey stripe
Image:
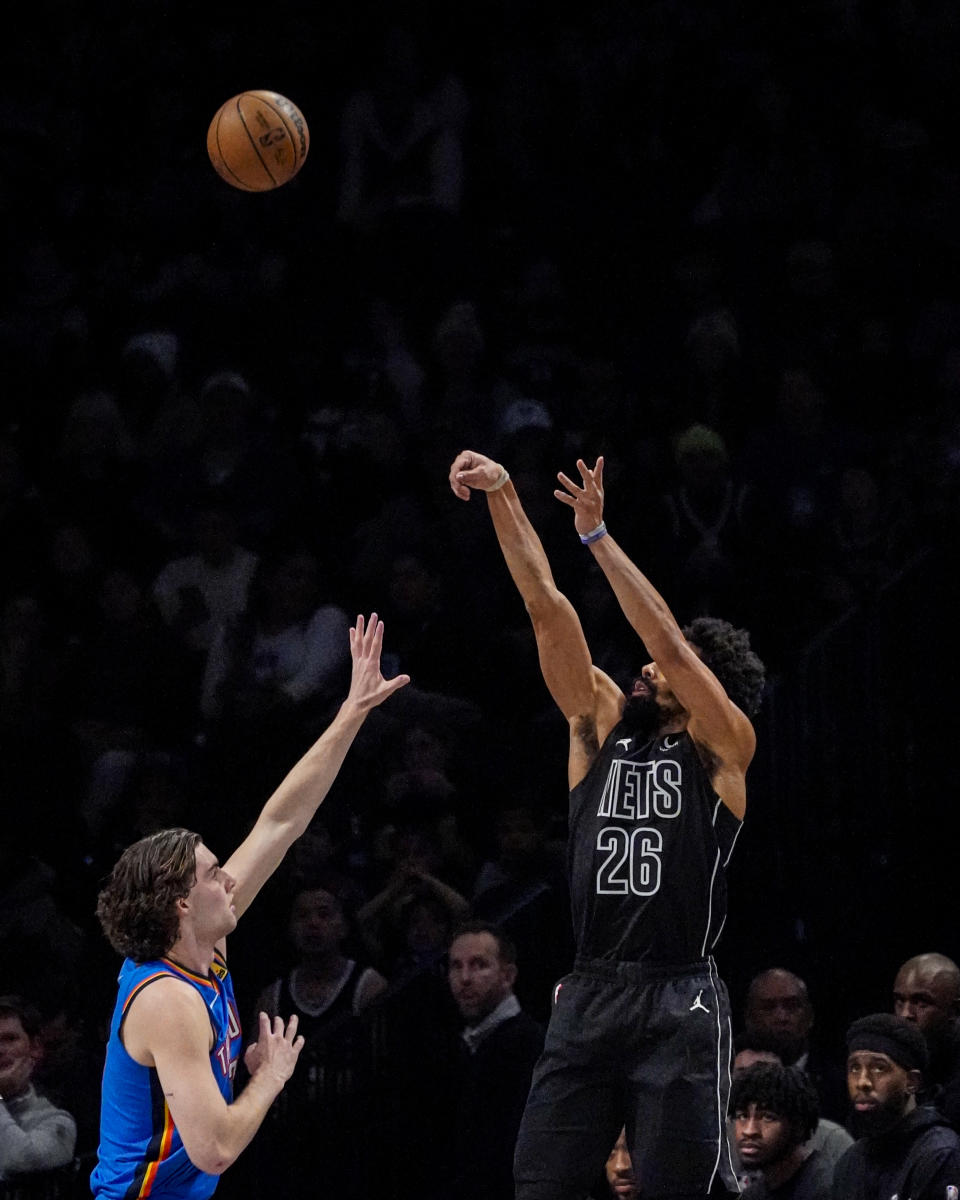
(141, 985)
(203, 980)
(166, 1141)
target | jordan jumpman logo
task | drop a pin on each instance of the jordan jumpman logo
(698, 1003)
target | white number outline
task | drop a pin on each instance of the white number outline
(645, 862)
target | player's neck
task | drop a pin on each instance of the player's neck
(187, 951)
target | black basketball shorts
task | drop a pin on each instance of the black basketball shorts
(636, 1046)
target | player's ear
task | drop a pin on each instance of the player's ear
(914, 1082)
(510, 973)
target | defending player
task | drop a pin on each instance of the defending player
(169, 1124)
(640, 1033)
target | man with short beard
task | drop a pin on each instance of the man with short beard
(904, 1149)
(657, 777)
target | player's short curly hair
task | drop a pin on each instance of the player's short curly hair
(727, 653)
(137, 906)
(785, 1091)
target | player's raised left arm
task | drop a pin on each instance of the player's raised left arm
(715, 722)
(289, 810)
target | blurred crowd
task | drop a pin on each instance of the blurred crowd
(716, 243)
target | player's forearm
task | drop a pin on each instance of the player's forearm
(306, 785)
(522, 549)
(642, 604)
(219, 1147)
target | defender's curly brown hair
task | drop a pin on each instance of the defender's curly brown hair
(137, 907)
(727, 653)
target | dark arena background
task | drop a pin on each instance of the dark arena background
(716, 242)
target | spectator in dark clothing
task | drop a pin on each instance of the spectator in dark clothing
(926, 992)
(903, 1149)
(775, 1113)
(491, 1074)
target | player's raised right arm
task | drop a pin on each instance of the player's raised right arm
(581, 692)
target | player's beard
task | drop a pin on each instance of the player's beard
(877, 1120)
(643, 716)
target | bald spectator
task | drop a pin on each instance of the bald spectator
(926, 992)
(778, 1009)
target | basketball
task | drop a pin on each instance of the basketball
(258, 141)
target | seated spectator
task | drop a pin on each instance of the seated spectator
(288, 648)
(406, 926)
(318, 1119)
(778, 1007)
(829, 1139)
(926, 992)
(622, 1179)
(775, 1115)
(903, 1149)
(202, 591)
(34, 1135)
(324, 982)
(490, 1069)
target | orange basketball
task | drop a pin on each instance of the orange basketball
(258, 141)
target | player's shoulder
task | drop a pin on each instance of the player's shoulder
(165, 998)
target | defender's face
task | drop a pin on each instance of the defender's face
(209, 904)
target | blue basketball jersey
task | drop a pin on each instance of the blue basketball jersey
(141, 1153)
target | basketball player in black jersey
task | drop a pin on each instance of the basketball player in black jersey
(639, 1035)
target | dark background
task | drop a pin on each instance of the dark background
(794, 166)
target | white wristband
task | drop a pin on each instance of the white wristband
(500, 481)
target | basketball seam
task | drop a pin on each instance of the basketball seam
(223, 158)
(253, 141)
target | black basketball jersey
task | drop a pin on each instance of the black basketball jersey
(649, 843)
